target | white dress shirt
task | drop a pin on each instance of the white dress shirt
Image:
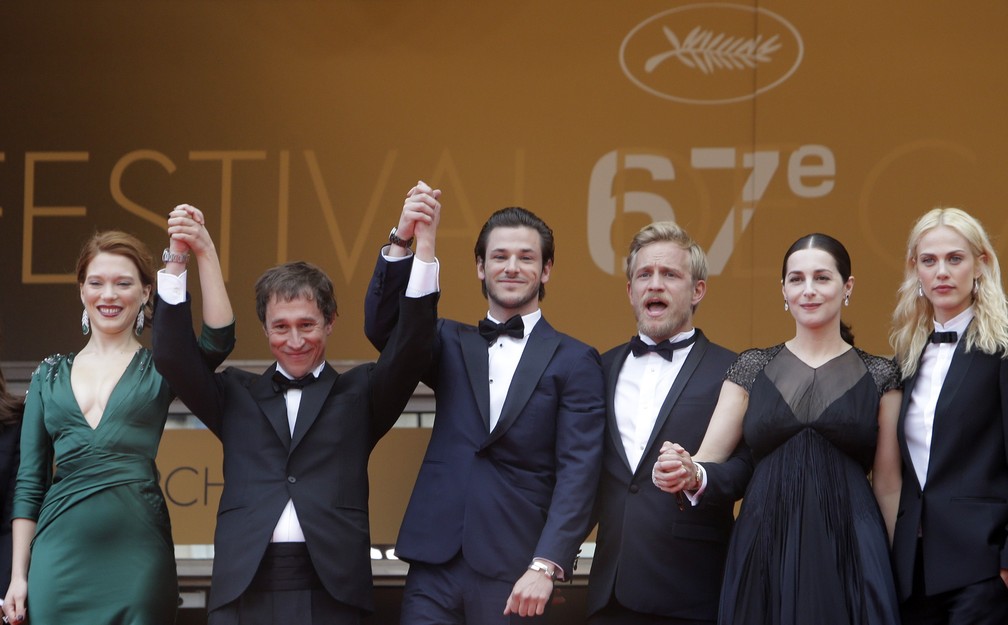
(934, 366)
(288, 528)
(423, 281)
(643, 384)
(503, 356)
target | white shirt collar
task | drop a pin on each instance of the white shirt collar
(316, 372)
(529, 320)
(956, 324)
(682, 336)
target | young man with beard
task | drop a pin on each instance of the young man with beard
(659, 558)
(505, 492)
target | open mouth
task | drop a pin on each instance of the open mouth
(109, 311)
(655, 306)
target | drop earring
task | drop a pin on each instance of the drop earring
(85, 324)
(140, 322)
(920, 289)
(846, 299)
(976, 285)
(786, 307)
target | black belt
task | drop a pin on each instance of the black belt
(286, 566)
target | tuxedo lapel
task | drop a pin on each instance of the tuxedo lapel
(953, 379)
(693, 359)
(611, 379)
(477, 361)
(272, 404)
(313, 397)
(538, 352)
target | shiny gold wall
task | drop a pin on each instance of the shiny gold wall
(298, 126)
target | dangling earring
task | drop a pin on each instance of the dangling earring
(846, 299)
(85, 324)
(140, 322)
(920, 289)
(786, 307)
(976, 285)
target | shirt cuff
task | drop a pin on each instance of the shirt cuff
(423, 278)
(394, 259)
(171, 288)
(697, 495)
(558, 571)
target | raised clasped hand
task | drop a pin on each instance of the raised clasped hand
(187, 230)
(421, 210)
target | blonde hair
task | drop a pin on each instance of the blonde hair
(661, 231)
(912, 319)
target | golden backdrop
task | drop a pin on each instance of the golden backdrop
(298, 127)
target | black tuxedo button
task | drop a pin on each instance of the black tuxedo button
(634, 489)
(291, 479)
(481, 453)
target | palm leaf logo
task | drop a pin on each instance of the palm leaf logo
(703, 50)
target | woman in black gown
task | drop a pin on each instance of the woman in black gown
(810, 543)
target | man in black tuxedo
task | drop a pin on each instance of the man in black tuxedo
(292, 539)
(658, 557)
(504, 495)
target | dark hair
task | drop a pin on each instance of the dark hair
(826, 243)
(516, 217)
(11, 407)
(122, 244)
(293, 280)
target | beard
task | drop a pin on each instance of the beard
(510, 300)
(660, 329)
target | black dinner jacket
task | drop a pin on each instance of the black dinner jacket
(10, 455)
(525, 488)
(962, 511)
(655, 558)
(322, 467)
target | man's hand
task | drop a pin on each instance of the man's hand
(421, 210)
(674, 470)
(188, 232)
(529, 595)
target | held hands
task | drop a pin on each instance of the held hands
(674, 471)
(15, 603)
(529, 595)
(420, 217)
(187, 231)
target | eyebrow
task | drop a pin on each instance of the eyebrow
(814, 271)
(507, 249)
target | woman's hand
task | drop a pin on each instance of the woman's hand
(674, 471)
(15, 605)
(187, 229)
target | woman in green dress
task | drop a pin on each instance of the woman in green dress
(91, 534)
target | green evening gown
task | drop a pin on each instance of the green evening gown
(103, 551)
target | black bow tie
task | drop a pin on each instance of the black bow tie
(944, 337)
(513, 327)
(282, 383)
(663, 349)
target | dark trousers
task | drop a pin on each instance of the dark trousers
(982, 603)
(615, 614)
(285, 589)
(454, 593)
